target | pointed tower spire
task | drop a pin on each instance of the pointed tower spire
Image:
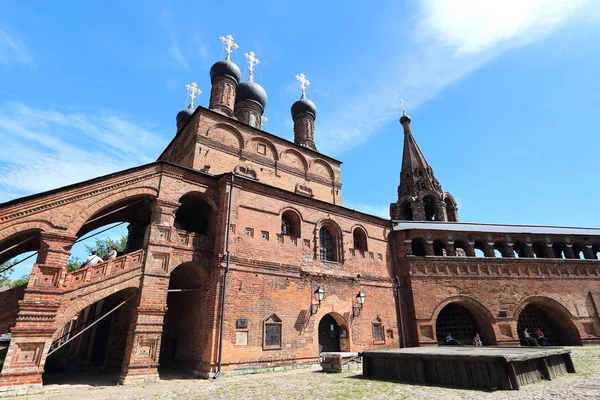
(420, 195)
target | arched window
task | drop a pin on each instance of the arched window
(418, 247)
(578, 251)
(479, 247)
(287, 226)
(194, 214)
(327, 245)
(429, 206)
(439, 248)
(520, 249)
(450, 210)
(539, 250)
(360, 239)
(290, 223)
(559, 250)
(406, 211)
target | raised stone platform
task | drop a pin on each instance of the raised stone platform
(339, 361)
(469, 367)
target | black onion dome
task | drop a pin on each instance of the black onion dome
(304, 105)
(251, 90)
(183, 116)
(225, 68)
(404, 118)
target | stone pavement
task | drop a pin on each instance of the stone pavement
(313, 384)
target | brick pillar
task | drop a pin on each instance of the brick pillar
(429, 247)
(32, 334)
(145, 330)
(488, 250)
(549, 251)
(440, 211)
(469, 249)
(450, 252)
(588, 252)
(569, 251)
(529, 250)
(418, 211)
(510, 251)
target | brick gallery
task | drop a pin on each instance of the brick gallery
(242, 258)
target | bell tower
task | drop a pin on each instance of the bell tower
(420, 195)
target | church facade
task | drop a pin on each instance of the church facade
(241, 258)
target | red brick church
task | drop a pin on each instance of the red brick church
(242, 258)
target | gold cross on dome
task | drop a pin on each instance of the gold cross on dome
(303, 82)
(403, 103)
(193, 88)
(252, 61)
(229, 44)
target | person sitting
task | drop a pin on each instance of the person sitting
(477, 340)
(112, 253)
(530, 340)
(450, 340)
(92, 259)
(541, 338)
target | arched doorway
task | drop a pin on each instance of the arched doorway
(556, 326)
(459, 320)
(92, 341)
(329, 334)
(183, 337)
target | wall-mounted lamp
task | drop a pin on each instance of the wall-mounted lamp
(360, 299)
(319, 294)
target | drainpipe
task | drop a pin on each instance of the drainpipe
(224, 289)
(398, 293)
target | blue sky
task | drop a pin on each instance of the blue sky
(502, 94)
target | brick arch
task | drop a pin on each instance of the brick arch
(227, 128)
(317, 161)
(74, 307)
(360, 226)
(297, 155)
(205, 196)
(31, 225)
(560, 314)
(267, 143)
(108, 201)
(425, 193)
(296, 217)
(483, 316)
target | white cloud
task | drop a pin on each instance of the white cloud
(49, 149)
(13, 50)
(472, 26)
(450, 40)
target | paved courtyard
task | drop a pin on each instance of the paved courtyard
(313, 384)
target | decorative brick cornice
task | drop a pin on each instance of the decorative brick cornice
(71, 199)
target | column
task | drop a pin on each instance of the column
(142, 350)
(32, 334)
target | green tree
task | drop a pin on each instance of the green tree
(6, 271)
(103, 246)
(73, 264)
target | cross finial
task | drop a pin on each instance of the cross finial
(193, 88)
(229, 44)
(252, 61)
(403, 106)
(303, 82)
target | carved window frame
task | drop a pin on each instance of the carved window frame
(270, 323)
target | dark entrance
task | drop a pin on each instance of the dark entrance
(535, 316)
(457, 320)
(329, 334)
